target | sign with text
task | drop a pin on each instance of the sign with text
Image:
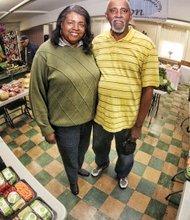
(149, 9)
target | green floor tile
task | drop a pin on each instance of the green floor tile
(173, 159)
(15, 134)
(110, 171)
(25, 159)
(147, 148)
(89, 157)
(31, 133)
(44, 159)
(45, 145)
(146, 187)
(12, 145)
(130, 213)
(138, 168)
(170, 121)
(62, 178)
(43, 177)
(27, 145)
(167, 132)
(68, 200)
(95, 197)
(122, 195)
(21, 123)
(32, 123)
(165, 180)
(176, 143)
(163, 146)
(156, 163)
(174, 199)
(156, 209)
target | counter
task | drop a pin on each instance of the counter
(183, 209)
(11, 160)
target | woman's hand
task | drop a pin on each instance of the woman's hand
(50, 138)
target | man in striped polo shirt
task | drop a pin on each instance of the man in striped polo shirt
(128, 63)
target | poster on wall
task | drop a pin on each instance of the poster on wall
(11, 46)
(149, 9)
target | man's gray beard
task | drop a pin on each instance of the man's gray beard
(118, 31)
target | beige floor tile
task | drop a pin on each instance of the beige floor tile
(170, 214)
(181, 163)
(169, 169)
(133, 180)
(155, 127)
(18, 152)
(106, 184)
(151, 140)
(35, 152)
(37, 139)
(185, 146)
(142, 157)
(7, 139)
(151, 174)
(147, 217)
(54, 168)
(165, 138)
(83, 211)
(53, 151)
(25, 128)
(178, 185)
(34, 167)
(178, 136)
(160, 154)
(139, 202)
(174, 150)
(112, 207)
(169, 126)
(160, 193)
(55, 187)
(84, 187)
(21, 139)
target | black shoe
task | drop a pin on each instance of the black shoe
(74, 188)
(83, 172)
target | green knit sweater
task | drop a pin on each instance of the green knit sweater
(63, 87)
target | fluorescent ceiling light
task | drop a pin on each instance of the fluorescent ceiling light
(16, 7)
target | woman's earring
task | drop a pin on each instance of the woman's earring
(84, 36)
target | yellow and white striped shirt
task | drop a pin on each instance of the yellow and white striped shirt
(126, 66)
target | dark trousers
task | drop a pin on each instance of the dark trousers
(73, 143)
(102, 144)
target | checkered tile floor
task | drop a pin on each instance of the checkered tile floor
(160, 154)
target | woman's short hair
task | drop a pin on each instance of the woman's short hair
(88, 36)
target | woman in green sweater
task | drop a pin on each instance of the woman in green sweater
(63, 89)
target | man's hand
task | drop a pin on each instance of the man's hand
(136, 132)
(50, 138)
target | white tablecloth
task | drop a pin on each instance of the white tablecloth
(185, 75)
(174, 77)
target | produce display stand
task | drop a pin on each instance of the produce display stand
(11, 160)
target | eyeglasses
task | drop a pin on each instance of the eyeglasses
(123, 11)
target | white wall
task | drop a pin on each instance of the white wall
(94, 7)
(177, 10)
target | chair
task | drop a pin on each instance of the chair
(12, 109)
(7, 118)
